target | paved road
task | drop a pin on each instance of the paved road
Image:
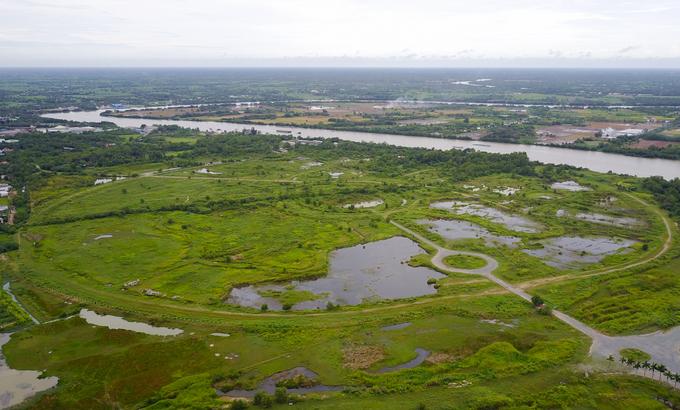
(664, 347)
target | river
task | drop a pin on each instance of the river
(596, 161)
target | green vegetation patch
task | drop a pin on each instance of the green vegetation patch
(465, 261)
(635, 354)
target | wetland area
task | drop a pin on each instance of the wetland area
(187, 268)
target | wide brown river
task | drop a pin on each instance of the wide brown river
(596, 161)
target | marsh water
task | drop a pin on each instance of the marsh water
(576, 252)
(422, 355)
(369, 272)
(115, 322)
(516, 223)
(18, 385)
(596, 161)
(455, 230)
(269, 384)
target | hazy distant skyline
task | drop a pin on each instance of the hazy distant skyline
(339, 33)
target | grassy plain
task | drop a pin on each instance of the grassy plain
(194, 237)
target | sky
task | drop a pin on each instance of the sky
(339, 33)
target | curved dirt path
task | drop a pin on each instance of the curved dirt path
(492, 264)
(664, 249)
(663, 347)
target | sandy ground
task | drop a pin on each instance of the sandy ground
(644, 144)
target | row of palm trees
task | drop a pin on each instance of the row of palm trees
(654, 367)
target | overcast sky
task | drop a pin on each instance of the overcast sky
(413, 33)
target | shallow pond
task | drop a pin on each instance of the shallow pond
(115, 322)
(373, 271)
(611, 220)
(513, 222)
(422, 355)
(569, 186)
(396, 327)
(576, 252)
(367, 204)
(269, 384)
(18, 385)
(466, 230)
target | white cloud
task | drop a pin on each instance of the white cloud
(37, 32)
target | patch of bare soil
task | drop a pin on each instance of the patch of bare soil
(474, 135)
(360, 356)
(439, 358)
(644, 144)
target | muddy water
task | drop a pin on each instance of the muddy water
(367, 204)
(513, 222)
(115, 322)
(467, 230)
(567, 252)
(373, 271)
(18, 385)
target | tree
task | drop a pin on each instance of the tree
(257, 398)
(637, 366)
(610, 359)
(264, 307)
(280, 395)
(646, 367)
(537, 300)
(266, 401)
(662, 370)
(239, 405)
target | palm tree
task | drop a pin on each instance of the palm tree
(637, 366)
(622, 359)
(662, 369)
(654, 367)
(610, 359)
(645, 365)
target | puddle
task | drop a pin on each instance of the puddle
(576, 252)
(507, 191)
(403, 202)
(92, 237)
(102, 181)
(311, 164)
(512, 222)
(560, 212)
(545, 197)
(18, 385)
(569, 186)
(205, 171)
(496, 322)
(367, 204)
(396, 327)
(422, 355)
(466, 230)
(269, 384)
(115, 322)
(369, 272)
(336, 174)
(611, 220)
(220, 334)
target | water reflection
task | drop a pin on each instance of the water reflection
(369, 272)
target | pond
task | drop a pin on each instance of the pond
(610, 220)
(516, 223)
(269, 384)
(115, 322)
(18, 385)
(369, 272)
(422, 355)
(576, 252)
(569, 186)
(367, 204)
(455, 230)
